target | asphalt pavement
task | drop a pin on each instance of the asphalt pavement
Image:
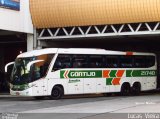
(82, 107)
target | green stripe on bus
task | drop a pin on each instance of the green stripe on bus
(109, 81)
(62, 74)
(141, 73)
(98, 73)
(128, 73)
(113, 73)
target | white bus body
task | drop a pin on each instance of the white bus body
(56, 71)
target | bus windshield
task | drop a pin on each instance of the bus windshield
(21, 75)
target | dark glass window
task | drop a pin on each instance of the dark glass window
(144, 61)
(112, 62)
(150, 61)
(63, 61)
(96, 61)
(140, 62)
(102, 61)
(40, 68)
(80, 61)
(126, 61)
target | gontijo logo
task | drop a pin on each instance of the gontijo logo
(86, 74)
(81, 74)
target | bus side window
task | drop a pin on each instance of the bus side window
(96, 61)
(63, 61)
(40, 68)
(80, 61)
(150, 61)
(112, 62)
(139, 61)
(126, 61)
(144, 61)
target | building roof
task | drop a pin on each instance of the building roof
(66, 13)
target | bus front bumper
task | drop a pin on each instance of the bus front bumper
(27, 92)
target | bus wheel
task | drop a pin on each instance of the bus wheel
(125, 89)
(57, 92)
(136, 88)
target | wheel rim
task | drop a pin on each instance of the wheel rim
(55, 93)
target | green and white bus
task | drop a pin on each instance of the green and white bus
(56, 72)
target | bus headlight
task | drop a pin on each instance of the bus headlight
(20, 87)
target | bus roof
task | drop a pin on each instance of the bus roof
(77, 51)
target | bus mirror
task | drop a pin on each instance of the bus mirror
(6, 66)
(33, 62)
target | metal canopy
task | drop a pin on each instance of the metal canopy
(152, 28)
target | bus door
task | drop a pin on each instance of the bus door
(38, 72)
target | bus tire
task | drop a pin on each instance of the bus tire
(125, 89)
(136, 88)
(57, 93)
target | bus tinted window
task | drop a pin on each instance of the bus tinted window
(102, 61)
(150, 61)
(96, 61)
(40, 68)
(126, 62)
(123, 61)
(62, 61)
(144, 61)
(140, 62)
(112, 62)
(80, 61)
